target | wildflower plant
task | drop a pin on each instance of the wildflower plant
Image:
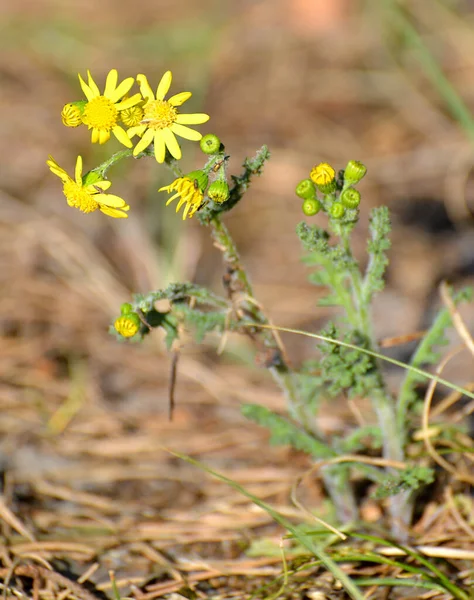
(348, 362)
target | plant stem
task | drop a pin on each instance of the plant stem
(336, 480)
(400, 506)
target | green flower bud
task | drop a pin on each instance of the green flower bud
(354, 172)
(128, 324)
(328, 188)
(311, 207)
(218, 191)
(126, 308)
(337, 210)
(306, 189)
(210, 144)
(350, 198)
(200, 178)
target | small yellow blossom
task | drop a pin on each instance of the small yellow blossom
(102, 111)
(132, 116)
(71, 115)
(323, 174)
(162, 121)
(190, 189)
(88, 196)
(127, 325)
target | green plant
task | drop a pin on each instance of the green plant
(349, 362)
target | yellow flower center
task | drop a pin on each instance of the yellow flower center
(159, 114)
(77, 197)
(100, 113)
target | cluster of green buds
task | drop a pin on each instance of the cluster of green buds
(339, 198)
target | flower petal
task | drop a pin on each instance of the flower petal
(122, 89)
(137, 130)
(88, 93)
(122, 136)
(192, 119)
(57, 170)
(104, 136)
(111, 83)
(95, 135)
(129, 102)
(92, 84)
(179, 99)
(164, 85)
(186, 132)
(102, 185)
(78, 171)
(113, 201)
(145, 88)
(160, 147)
(171, 143)
(113, 212)
(144, 142)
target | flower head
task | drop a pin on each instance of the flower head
(162, 121)
(102, 111)
(128, 324)
(71, 115)
(190, 189)
(87, 193)
(132, 116)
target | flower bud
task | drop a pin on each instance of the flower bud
(323, 175)
(131, 117)
(200, 179)
(71, 114)
(306, 189)
(128, 324)
(126, 308)
(350, 198)
(337, 210)
(354, 172)
(218, 191)
(210, 144)
(311, 207)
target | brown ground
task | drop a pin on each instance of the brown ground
(88, 487)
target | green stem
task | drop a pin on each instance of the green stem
(239, 283)
(400, 505)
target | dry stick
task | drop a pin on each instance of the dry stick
(35, 572)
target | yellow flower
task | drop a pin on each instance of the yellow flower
(190, 189)
(102, 111)
(87, 194)
(162, 121)
(322, 174)
(127, 325)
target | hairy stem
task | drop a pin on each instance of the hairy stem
(400, 506)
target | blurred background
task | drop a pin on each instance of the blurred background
(315, 80)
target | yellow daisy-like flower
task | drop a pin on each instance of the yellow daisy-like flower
(102, 111)
(87, 194)
(190, 189)
(162, 121)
